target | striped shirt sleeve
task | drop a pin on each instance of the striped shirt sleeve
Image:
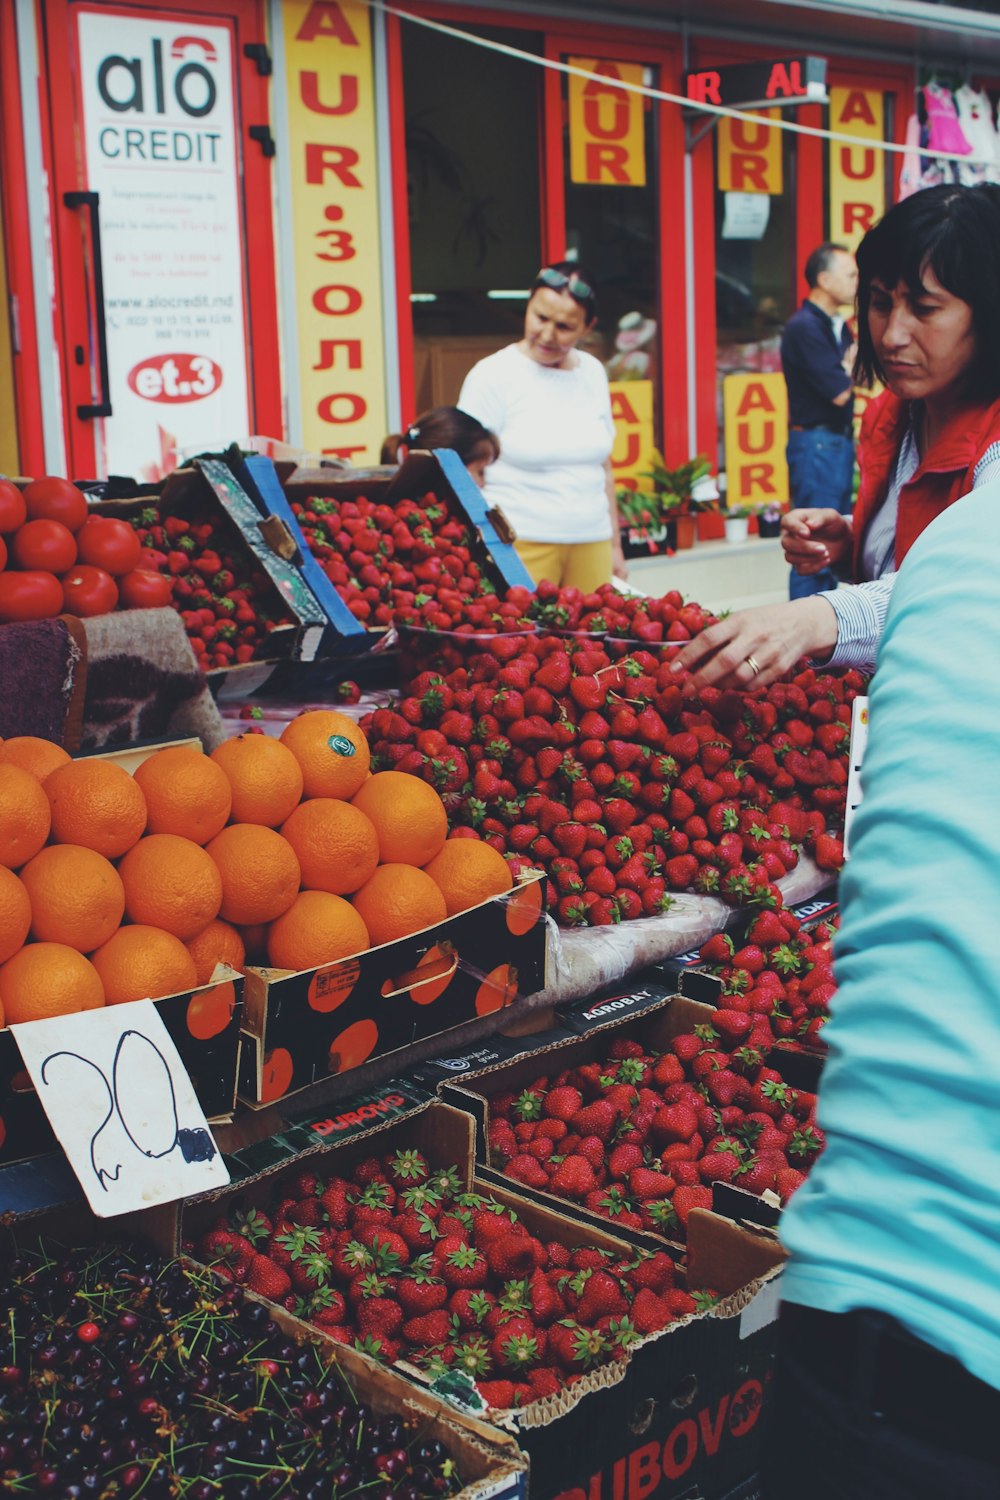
(861, 608)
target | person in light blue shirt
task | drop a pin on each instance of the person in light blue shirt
(888, 1377)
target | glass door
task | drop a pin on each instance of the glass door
(159, 191)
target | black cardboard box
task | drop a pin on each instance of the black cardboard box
(301, 1028)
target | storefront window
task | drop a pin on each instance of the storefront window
(755, 271)
(472, 158)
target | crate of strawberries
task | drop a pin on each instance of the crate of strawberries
(416, 538)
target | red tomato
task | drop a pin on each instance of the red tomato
(109, 544)
(30, 596)
(13, 511)
(48, 545)
(142, 589)
(89, 591)
(52, 499)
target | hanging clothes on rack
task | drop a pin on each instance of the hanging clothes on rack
(975, 116)
(942, 116)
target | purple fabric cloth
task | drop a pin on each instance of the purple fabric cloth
(41, 669)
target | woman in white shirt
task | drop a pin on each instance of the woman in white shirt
(548, 402)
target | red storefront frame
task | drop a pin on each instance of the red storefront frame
(63, 165)
(563, 37)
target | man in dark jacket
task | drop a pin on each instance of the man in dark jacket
(817, 352)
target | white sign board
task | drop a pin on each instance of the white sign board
(745, 216)
(858, 746)
(161, 150)
(122, 1106)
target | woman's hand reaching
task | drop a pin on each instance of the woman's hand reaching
(814, 539)
(753, 647)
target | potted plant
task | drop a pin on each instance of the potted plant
(737, 519)
(675, 495)
(769, 520)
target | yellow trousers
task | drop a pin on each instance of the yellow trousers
(571, 565)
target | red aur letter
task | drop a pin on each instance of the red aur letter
(309, 94)
(755, 398)
(610, 158)
(867, 163)
(325, 18)
(336, 159)
(594, 115)
(749, 174)
(858, 216)
(857, 108)
(764, 446)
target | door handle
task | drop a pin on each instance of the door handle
(91, 201)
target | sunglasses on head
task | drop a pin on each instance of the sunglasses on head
(559, 282)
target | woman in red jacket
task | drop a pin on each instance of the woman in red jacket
(929, 330)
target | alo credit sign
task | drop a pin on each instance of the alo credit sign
(160, 139)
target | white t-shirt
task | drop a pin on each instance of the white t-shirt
(556, 433)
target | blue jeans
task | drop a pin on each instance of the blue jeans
(820, 473)
(832, 1436)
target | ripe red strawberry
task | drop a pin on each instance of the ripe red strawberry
(649, 1312)
(419, 1292)
(655, 1272)
(518, 1346)
(544, 1382)
(787, 1181)
(687, 1198)
(227, 1246)
(680, 871)
(828, 852)
(460, 1264)
(470, 1308)
(562, 1103)
(573, 1178)
(675, 1122)
(623, 1159)
(645, 1184)
(527, 1169)
(602, 1297)
(267, 1279)
(576, 1349)
(511, 1256)
(428, 1329)
(498, 1394)
(379, 1317)
(599, 1118)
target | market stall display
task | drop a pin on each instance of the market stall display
(375, 884)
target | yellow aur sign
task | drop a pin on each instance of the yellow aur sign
(606, 137)
(750, 155)
(857, 173)
(756, 417)
(632, 409)
(338, 308)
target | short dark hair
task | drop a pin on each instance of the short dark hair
(443, 427)
(956, 231)
(579, 283)
(821, 260)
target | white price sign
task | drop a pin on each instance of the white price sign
(122, 1106)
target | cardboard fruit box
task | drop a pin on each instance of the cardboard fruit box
(301, 1028)
(204, 1026)
(210, 487)
(648, 1016)
(490, 1463)
(682, 1417)
(442, 474)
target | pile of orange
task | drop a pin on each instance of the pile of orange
(115, 888)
